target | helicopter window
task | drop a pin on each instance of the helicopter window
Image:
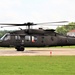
(6, 37)
(34, 38)
(27, 38)
(17, 37)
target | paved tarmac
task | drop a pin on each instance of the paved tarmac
(39, 52)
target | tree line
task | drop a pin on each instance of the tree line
(3, 32)
(65, 28)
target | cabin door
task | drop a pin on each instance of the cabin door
(20, 40)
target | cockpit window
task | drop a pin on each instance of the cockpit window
(6, 37)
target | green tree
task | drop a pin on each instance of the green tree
(3, 32)
(66, 28)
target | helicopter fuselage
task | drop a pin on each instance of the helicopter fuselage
(42, 39)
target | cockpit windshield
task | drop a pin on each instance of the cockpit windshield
(6, 37)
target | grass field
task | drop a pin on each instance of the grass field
(38, 65)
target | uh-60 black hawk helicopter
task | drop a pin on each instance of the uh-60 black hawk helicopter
(34, 37)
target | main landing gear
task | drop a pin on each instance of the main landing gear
(20, 48)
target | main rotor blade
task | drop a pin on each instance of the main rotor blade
(52, 22)
(14, 24)
(30, 23)
(7, 26)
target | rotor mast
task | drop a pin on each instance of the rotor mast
(29, 24)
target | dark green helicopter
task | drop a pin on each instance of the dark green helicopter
(34, 37)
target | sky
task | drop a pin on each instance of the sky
(36, 11)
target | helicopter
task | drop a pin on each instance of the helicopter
(34, 37)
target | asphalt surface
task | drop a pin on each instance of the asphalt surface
(39, 52)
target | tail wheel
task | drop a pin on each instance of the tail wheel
(20, 48)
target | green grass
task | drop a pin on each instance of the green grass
(38, 65)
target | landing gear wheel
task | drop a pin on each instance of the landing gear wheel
(21, 48)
